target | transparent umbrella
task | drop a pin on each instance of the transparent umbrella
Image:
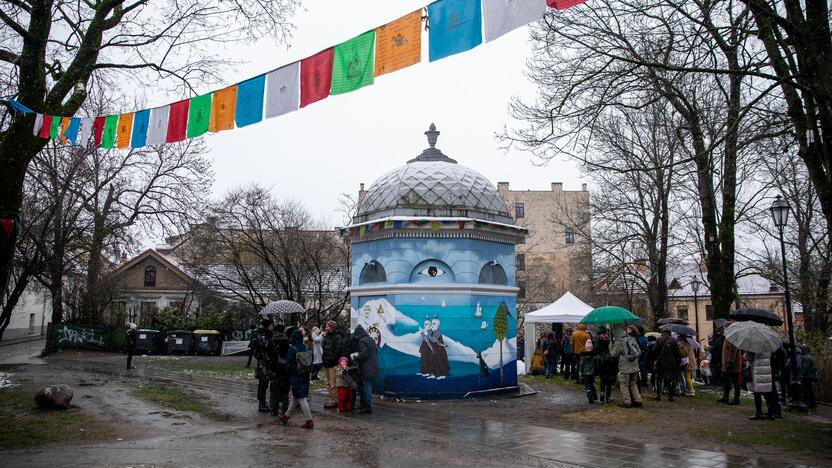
(282, 307)
(753, 336)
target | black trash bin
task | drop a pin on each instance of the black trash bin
(147, 341)
(180, 342)
(207, 341)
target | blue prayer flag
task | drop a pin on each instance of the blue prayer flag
(140, 122)
(18, 107)
(250, 101)
(71, 132)
(455, 26)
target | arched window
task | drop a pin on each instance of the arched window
(150, 277)
(373, 272)
(492, 273)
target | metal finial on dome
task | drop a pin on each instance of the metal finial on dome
(432, 135)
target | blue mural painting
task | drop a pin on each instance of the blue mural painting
(433, 275)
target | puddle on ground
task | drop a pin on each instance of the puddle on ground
(6, 380)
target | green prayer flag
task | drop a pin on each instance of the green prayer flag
(199, 114)
(352, 63)
(108, 136)
(55, 127)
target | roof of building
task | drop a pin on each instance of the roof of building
(432, 184)
(169, 262)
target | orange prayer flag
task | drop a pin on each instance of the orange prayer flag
(64, 125)
(399, 44)
(223, 104)
(123, 130)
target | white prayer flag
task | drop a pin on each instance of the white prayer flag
(85, 132)
(157, 127)
(283, 90)
(38, 124)
(502, 16)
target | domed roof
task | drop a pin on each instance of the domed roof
(433, 184)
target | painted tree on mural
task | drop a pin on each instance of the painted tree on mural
(500, 329)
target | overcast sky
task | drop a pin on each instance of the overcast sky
(329, 147)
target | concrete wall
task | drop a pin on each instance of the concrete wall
(35, 303)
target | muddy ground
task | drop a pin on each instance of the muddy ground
(142, 432)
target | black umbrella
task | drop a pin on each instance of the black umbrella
(672, 320)
(766, 317)
(719, 323)
(678, 329)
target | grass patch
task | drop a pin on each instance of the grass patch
(213, 368)
(794, 433)
(23, 424)
(179, 399)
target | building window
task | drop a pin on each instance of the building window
(520, 262)
(373, 272)
(569, 236)
(682, 312)
(147, 314)
(709, 312)
(150, 277)
(519, 210)
(492, 273)
(521, 294)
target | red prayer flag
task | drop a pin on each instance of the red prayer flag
(315, 77)
(98, 129)
(177, 121)
(563, 4)
(8, 227)
(44, 128)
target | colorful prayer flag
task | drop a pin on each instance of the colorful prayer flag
(388, 224)
(71, 132)
(85, 132)
(399, 43)
(199, 114)
(352, 63)
(157, 129)
(397, 225)
(139, 133)
(64, 125)
(177, 121)
(55, 127)
(123, 130)
(223, 103)
(502, 16)
(98, 129)
(455, 26)
(108, 138)
(46, 125)
(362, 230)
(250, 101)
(563, 4)
(435, 225)
(38, 124)
(315, 77)
(282, 90)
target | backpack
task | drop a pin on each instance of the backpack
(632, 349)
(303, 362)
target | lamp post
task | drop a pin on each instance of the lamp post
(695, 284)
(780, 215)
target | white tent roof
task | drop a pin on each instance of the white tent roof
(567, 309)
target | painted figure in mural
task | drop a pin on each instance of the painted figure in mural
(440, 361)
(375, 334)
(425, 350)
(483, 367)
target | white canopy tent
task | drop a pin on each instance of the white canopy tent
(567, 309)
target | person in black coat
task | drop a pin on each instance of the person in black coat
(551, 352)
(279, 395)
(299, 381)
(716, 356)
(366, 356)
(266, 371)
(132, 338)
(668, 357)
(333, 348)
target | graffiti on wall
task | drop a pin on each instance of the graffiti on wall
(75, 336)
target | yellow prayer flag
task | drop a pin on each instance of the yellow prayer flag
(64, 125)
(223, 104)
(123, 130)
(399, 44)
(435, 225)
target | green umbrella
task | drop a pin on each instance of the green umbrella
(609, 315)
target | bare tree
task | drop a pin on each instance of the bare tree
(51, 52)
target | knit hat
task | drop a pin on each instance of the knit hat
(588, 346)
(343, 361)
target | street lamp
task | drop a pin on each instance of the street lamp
(695, 284)
(780, 215)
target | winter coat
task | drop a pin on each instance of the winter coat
(668, 356)
(622, 349)
(333, 347)
(607, 366)
(552, 347)
(588, 364)
(367, 351)
(299, 382)
(317, 349)
(266, 354)
(521, 349)
(537, 362)
(806, 368)
(132, 337)
(716, 351)
(687, 351)
(566, 344)
(761, 377)
(730, 358)
(579, 338)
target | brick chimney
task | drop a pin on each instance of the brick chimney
(557, 186)
(583, 187)
(361, 192)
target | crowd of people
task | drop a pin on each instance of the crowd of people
(666, 365)
(288, 358)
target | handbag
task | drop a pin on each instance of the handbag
(683, 363)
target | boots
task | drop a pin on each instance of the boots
(308, 425)
(264, 407)
(283, 419)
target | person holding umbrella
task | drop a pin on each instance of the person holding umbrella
(689, 361)
(761, 383)
(666, 366)
(627, 351)
(730, 370)
(758, 341)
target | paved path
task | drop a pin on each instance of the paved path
(554, 445)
